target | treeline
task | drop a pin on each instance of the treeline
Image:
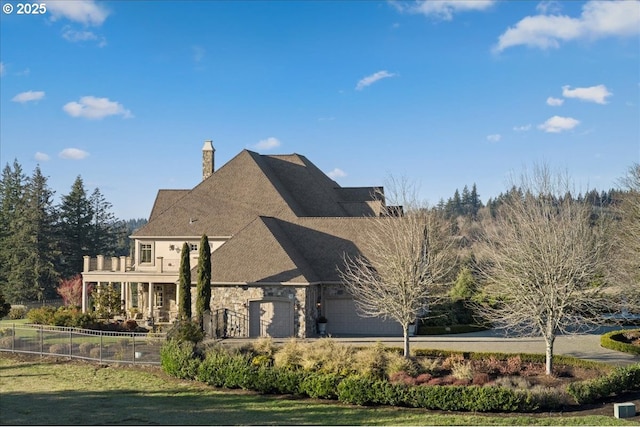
(42, 243)
(467, 203)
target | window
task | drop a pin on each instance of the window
(145, 253)
(158, 296)
(193, 246)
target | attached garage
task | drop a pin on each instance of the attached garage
(344, 320)
(271, 319)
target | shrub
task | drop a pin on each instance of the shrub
(95, 353)
(372, 361)
(480, 378)
(17, 312)
(85, 348)
(6, 342)
(59, 349)
(462, 371)
(289, 356)
(614, 341)
(398, 363)
(186, 330)
(179, 358)
(41, 315)
(321, 386)
(328, 356)
(620, 380)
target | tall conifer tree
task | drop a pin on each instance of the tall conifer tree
(203, 301)
(184, 306)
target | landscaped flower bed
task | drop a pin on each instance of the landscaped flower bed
(380, 375)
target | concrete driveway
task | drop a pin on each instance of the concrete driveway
(583, 346)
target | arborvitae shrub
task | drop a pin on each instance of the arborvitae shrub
(179, 359)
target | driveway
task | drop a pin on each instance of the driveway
(583, 346)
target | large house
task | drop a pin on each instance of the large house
(278, 228)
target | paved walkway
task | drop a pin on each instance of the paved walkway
(584, 346)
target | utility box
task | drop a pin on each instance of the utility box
(624, 410)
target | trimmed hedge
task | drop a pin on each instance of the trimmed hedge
(360, 390)
(612, 341)
(619, 381)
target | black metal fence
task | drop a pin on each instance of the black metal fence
(224, 323)
(75, 343)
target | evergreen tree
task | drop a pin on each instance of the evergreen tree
(465, 201)
(107, 230)
(203, 299)
(75, 230)
(12, 189)
(184, 304)
(41, 253)
(476, 203)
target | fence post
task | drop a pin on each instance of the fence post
(100, 346)
(70, 344)
(41, 340)
(13, 341)
(134, 347)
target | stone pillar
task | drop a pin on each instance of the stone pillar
(123, 264)
(114, 263)
(86, 262)
(100, 262)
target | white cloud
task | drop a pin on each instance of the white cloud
(523, 128)
(557, 124)
(598, 19)
(443, 9)
(496, 137)
(597, 94)
(554, 102)
(73, 154)
(369, 80)
(91, 107)
(28, 96)
(337, 173)
(87, 12)
(41, 157)
(75, 36)
(2, 69)
(267, 144)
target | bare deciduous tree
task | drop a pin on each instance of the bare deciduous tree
(405, 259)
(628, 242)
(544, 261)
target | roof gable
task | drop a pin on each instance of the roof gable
(260, 253)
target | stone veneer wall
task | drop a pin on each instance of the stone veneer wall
(237, 298)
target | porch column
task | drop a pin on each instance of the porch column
(123, 297)
(178, 299)
(84, 295)
(151, 299)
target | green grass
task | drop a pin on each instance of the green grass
(37, 391)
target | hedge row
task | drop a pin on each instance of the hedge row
(613, 341)
(222, 369)
(619, 381)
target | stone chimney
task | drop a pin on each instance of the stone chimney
(207, 159)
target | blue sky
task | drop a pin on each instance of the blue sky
(442, 93)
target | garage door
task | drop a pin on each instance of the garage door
(344, 320)
(270, 319)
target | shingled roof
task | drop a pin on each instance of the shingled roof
(286, 221)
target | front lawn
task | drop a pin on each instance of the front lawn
(46, 391)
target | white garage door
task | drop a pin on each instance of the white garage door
(271, 319)
(344, 320)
